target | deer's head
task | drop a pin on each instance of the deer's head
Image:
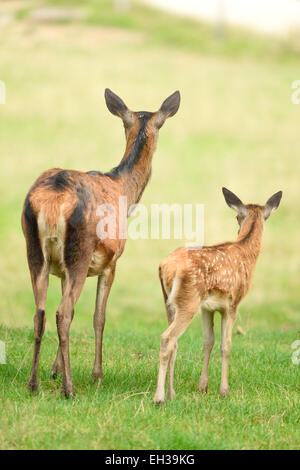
(246, 211)
(136, 122)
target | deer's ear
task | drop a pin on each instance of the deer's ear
(272, 204)
(168, 108)
(234, 202)
(117, 107)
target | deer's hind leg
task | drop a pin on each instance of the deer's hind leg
(57, 366)
(105, 282)
(171, 365)
(40, 287)
(186, 306)
(39, 272)
(170, 311)
(72, 289)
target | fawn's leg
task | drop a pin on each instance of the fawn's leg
(208, 343)
(171, 367)
(40, 286)
(170, 311)
(228, 319)
(103, 289)
(168, 344)
(57, 366)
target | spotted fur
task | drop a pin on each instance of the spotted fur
(213, 278)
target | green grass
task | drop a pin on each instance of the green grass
(262, 411)
(236, 128)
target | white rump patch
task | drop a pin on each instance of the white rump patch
(52, 242)
(175, 287)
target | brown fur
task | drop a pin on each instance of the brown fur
(59, 222)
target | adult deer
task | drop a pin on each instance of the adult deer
(214, 278)
(59, 222)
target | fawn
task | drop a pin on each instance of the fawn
(214, 278)
(59, 222)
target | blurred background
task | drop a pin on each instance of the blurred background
(236, 127)
(234, 63)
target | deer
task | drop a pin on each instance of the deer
(59, 222)
(210, 279)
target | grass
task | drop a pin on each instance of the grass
(261, 412)
(236, 127)
(175, 31)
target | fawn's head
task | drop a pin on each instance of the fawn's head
(245, 211)
(142, 121)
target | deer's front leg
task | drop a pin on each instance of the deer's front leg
(103, 289)
(228, 319)
(208, 343)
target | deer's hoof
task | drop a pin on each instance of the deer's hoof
(171, 395)
(53, 375)
(158, 399)
(33, 386)
(68, 392)
(97, 376)
(224, 391)
(203, 386)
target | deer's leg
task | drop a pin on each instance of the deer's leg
(228, 319)
(57, 366)
(170, 390)
(208, 343)
(103, 289)
(170, 311)
(168, 346)
(64, 315)
(171, 367)
(40, 286)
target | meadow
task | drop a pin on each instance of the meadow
(236, 127)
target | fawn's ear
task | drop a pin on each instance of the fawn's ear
(168, 108)
(117, 107)
(234, 202)
(272, 204)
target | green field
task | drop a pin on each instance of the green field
(236, 127)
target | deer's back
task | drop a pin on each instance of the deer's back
(63, 204)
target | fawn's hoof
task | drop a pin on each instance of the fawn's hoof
(171, 395)
(203, 385)
(224, 391)
(158, 399)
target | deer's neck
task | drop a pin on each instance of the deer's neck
(134, 170)
(250, 237)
